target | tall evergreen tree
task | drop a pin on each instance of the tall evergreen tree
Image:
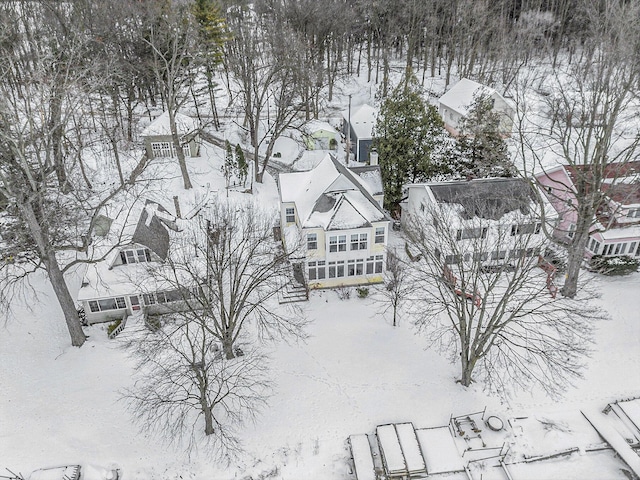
(481, 150)
(409, 138)
(242, 166)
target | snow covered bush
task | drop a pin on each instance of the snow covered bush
(622, 265)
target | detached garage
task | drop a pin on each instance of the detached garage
(158, 141)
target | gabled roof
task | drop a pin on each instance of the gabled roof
(160, 126)
(313, 126)
(363, 119)
(151, 230)
(371, 177)
(331, 197)
(488, 198)
(462, 94)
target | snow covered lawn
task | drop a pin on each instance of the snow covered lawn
(60, 405)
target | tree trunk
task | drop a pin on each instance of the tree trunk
(56, 277)
(467, 369)
(178, 149)
(227, 347)
(206, 409)
(575, 258)
(55, 127)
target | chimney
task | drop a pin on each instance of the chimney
(176, 203)
(373, 157)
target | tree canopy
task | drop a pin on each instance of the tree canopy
(409, 138)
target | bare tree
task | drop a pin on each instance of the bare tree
(265, 65)
(50, 216)
(35, 110)
(186, 390)
(397, 286)
(484, 300)
(234, 259)
(588, 124)
(174, 42)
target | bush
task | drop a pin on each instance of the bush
(113, 325)
(363, 292)
(613, 265)
(344, 292)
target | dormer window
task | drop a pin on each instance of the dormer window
(138, 255)
(290, 215)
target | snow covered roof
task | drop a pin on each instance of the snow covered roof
(331, 197)
(160, 126)
(151, 230)
(363, 119)
(372, 178)
(462, 94)
(313, 126)
(489, 198)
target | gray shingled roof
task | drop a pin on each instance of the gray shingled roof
(489, 198)
(152, 232)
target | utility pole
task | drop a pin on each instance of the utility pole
(348, 134)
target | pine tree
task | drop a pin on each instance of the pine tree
(229, 163)
(480, 149)
(241, 164)
(409, 138)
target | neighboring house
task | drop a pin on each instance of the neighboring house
(319, 135)
(358, 125)
(120, 284)
(489, 214)
(159, 143)
(337, 211)
(454, 105)
(616, 228)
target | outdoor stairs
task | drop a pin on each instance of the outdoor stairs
(293, 291)
(294, 288)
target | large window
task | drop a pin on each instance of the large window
(167, 296)
(634, 213)
(594, 245)
(138, 255)
(525, 228)
(359, 241)
(463, 234)
(378, 267)
(290, 215)
(312, 241)
(336, 269)
(316, 270)
(116, 303)
(166, 149)
(449, 259)
(338, 243)
(379, 235)
(498, 255)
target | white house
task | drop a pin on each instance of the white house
(119, 284)
(159, 142)
(358, 124)
(338, 211)
(489, 220)
(454, 105)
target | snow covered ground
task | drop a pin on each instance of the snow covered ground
(62, 405)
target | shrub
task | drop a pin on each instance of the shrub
(113, 325)
(344, 292)
(363, 292)
(622, 265)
